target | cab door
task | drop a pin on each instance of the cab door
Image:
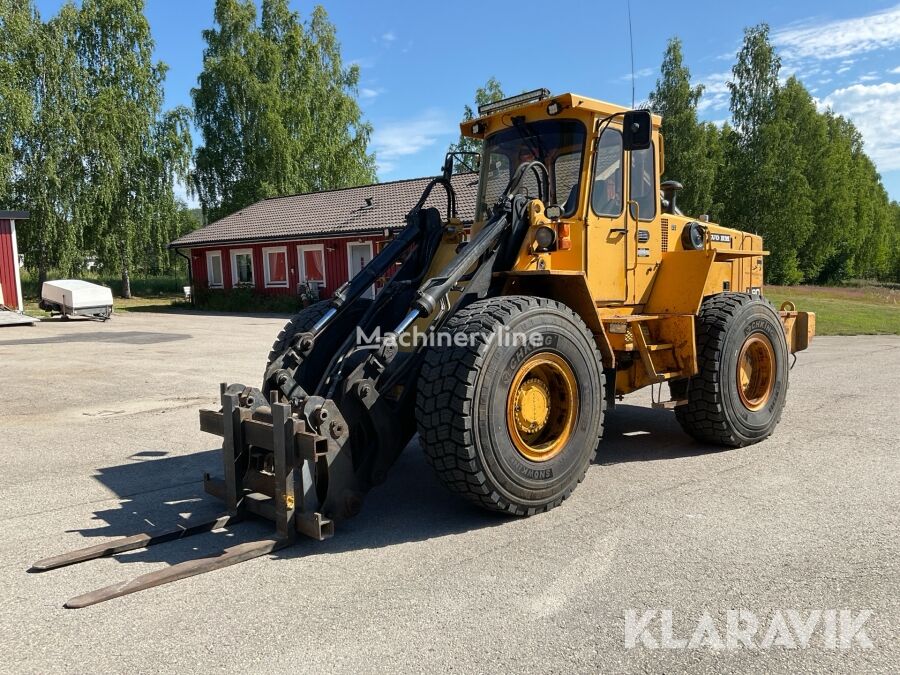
(644, 245)
(607, 229)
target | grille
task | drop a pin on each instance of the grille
(664, 239)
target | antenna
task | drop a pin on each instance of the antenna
(631, 47)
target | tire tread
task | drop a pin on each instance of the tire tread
(446, 387)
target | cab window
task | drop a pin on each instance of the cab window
(643, 182)
(566, 172)
(606, 196)
(497, 173)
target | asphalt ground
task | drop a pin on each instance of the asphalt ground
(99, 438)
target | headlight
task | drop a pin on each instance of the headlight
(693, 236)
(544, 238)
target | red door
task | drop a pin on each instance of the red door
(9, 266)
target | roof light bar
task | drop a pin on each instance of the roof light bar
(512, 101)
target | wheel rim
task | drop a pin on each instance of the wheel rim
(542, 407)
(756, 371)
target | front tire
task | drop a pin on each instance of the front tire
(738, 395)
(511, 423)
(312, 369)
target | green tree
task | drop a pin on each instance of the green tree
(489, 93)
(132, 151)
(89, 151)
(767, 191)
(783, 169)
(46, 168)
(893, 271)
(691, 148)
(276, 109)
(755, 84)
(17, 25)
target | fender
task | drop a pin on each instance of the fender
(568, 287)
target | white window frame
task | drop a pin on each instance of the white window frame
(370, 291)
(235, 252)
(209, 279)
(301, 263)
(350, 245)
(287, 271)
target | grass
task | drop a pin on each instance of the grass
(159, 303)
(140, 287)
(845, 310)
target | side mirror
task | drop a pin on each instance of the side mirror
(447, 168)
(470, 160)
(637, 130)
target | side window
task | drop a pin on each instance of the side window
(242, 267)
(566, 171)
(606, 194)
(214, 268)
(530, 184)
(643, 182)
(498, 175)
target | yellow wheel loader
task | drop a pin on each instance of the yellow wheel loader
(502, 346)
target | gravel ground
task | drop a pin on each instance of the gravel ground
(100, 437)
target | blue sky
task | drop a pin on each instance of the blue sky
(421, 61)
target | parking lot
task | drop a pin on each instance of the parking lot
(100, 438)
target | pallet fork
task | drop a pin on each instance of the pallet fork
(269, 458)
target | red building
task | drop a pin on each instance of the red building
(318, 238)
(10, 282)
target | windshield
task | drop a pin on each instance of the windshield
(559, 144)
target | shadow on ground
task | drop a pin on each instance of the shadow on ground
(159, 490)
(641, 434)
(133, 337)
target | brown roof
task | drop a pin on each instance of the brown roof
(332, 212)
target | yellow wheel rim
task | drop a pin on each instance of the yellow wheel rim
(756, 371)
(542, 407)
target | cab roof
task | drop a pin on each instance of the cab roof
(537, 109)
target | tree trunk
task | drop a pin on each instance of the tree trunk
(126, 283)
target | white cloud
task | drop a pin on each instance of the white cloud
(881, 133)
(370, 93)
(638, 74)
(841, 38)
(401, 138)
(388, 37)
(869, 77)
(716, 94)
(896, 71)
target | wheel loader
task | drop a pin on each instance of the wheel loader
(504, 344)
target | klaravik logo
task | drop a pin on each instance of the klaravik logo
(743, 629)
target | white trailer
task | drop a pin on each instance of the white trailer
(73, 297)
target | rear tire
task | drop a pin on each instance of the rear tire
(512, 427)
(738, 395)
